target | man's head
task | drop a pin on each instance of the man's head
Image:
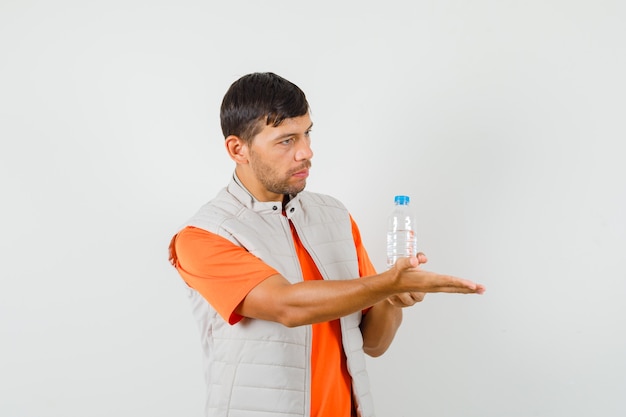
(266, 125)
(257, 100)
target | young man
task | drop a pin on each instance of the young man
(285, 295)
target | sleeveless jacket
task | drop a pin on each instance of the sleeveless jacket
(258, 368)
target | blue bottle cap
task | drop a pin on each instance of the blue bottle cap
(402, 199)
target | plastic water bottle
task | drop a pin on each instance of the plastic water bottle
(401, 237)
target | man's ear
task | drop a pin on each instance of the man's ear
(237, 149)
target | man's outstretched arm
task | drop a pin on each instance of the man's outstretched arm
(276, 299)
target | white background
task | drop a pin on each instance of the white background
(503, 120)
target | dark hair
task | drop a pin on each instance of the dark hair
(260, 97)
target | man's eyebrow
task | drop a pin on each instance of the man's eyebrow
(286, 135)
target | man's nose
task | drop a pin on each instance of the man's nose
(304, 151)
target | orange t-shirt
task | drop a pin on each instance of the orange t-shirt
(224, 273)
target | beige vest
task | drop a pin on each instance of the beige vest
(262, 368)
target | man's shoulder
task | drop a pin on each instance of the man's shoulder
(223, 201)
(212, 213)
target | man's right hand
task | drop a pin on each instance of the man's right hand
(417, 280)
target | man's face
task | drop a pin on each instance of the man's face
(279, 159)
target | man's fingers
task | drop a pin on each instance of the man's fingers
(448, 283)
(407, 263)
(422, 258)
(406, 299)
(457, 290)
(417, 296)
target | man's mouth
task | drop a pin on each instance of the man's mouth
(303, 173)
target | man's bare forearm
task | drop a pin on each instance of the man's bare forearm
(276, 299)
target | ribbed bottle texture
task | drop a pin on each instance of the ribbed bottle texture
(401, 237)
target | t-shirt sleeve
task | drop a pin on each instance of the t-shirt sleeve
(222, 272)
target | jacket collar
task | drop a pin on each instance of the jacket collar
(245, 197)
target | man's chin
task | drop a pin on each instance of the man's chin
(297, 188)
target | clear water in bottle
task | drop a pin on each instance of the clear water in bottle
(401, 237)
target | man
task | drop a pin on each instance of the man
(285, 295)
